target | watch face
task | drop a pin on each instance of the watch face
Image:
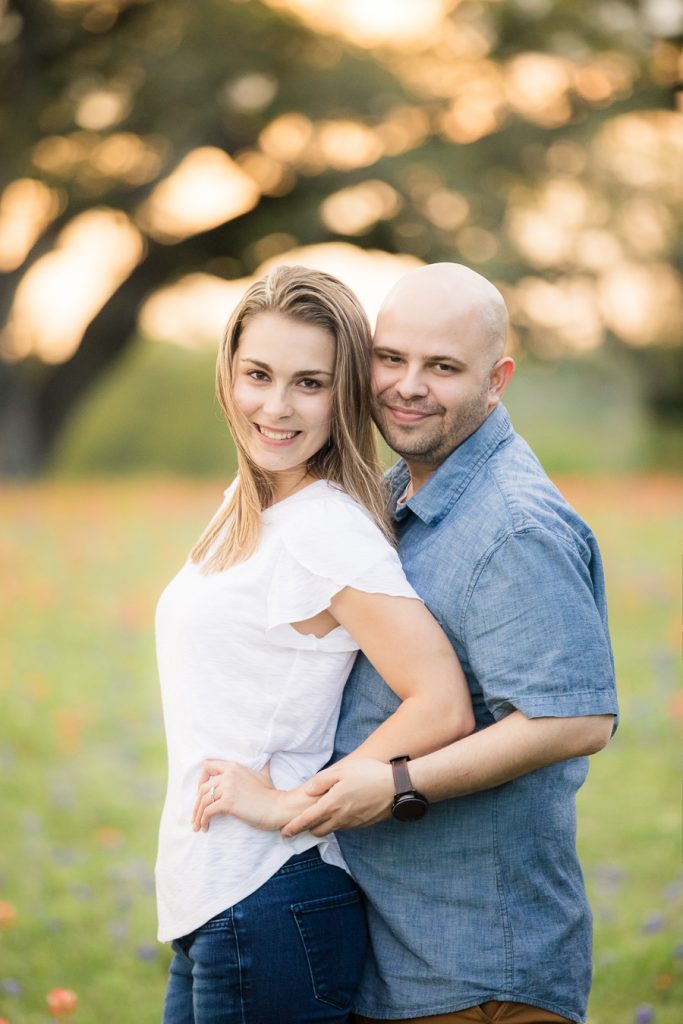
(409, 807)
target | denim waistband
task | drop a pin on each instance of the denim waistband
(301, 862)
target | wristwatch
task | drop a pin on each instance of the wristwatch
(408, 804)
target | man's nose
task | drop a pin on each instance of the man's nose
(411, 383)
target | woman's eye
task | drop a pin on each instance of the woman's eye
(257, 375)
(308, 384)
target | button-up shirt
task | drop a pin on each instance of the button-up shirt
(483, 899)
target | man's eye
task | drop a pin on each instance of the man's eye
(444, 367)
(386, 357)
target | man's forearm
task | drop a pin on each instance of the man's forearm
(358, 791)
(505, 750)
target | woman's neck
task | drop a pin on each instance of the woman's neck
(288, 482)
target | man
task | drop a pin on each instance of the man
(478, 911)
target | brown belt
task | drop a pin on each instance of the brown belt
(492, 1012)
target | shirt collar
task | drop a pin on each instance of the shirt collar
(436, 498)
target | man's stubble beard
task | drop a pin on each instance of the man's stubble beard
(432, 447)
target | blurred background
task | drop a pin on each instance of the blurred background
(157, 155)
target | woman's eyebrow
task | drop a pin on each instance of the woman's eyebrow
(297, 373)
(256, 362)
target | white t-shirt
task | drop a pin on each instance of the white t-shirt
(239, 683)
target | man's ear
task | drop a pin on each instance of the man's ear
(500, 378)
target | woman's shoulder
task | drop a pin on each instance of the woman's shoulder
(325, 499)
(323, 513)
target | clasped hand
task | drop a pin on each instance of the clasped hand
(354, 793)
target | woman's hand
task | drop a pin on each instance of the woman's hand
(226, 787)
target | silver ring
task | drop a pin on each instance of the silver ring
(213, 793)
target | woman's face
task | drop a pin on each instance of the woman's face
(282, 383)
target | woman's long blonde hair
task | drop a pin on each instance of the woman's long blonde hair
(349, 459)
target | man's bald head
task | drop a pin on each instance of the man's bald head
(438, 364)
(445, 296)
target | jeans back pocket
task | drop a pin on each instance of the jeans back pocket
(334, 936)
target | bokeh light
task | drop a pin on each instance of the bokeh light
(398, 22)
(62, 292)
(206, 189)
(193, 311)
(27, 207)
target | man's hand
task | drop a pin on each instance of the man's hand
(354, 793)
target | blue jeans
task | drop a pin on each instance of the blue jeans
(290, 953)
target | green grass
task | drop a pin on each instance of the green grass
(82, 756)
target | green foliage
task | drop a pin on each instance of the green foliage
(83, 760)
(587, 415)
(156, 413)
(453, 115)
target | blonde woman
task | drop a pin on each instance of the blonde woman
(256, 636)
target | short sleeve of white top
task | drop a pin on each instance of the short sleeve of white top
(239, 683)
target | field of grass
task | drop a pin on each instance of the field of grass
(82, 757)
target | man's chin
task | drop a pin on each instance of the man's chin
(412, 449)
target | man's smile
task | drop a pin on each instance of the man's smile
(403, 415)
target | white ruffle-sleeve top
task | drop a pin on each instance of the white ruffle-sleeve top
(239, 683)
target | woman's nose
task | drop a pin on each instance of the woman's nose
(277, 403)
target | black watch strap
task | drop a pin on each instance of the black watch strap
(402, 780)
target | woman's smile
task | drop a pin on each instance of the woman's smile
(273, 436)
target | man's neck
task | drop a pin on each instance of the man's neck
(419, 475)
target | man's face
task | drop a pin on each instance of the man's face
(431, 389)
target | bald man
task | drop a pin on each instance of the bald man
(476, 905)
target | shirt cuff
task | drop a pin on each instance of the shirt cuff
(566, 705)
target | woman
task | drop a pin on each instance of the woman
(255, 639)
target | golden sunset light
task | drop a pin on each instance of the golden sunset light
(120, 156)
(102, 108)
(643, 302)
(376, 23)
(27, 208)
(62, 292)
(353, 210)
(193, 311)
(206, 189)
(563, 315)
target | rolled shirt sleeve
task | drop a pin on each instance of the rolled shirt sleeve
(535, 628)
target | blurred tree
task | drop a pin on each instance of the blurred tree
(145, 140)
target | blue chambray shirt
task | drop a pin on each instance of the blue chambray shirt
(484, 898)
